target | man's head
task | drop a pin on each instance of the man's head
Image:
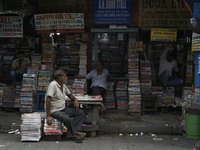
(60, 76)
(99, 66)
(171, 56)
(21, 56)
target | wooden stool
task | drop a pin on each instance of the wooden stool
(149, 103)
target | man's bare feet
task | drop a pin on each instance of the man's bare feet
(103, 107)
(70, 135)
(81, 134)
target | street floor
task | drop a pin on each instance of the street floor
(110, 141)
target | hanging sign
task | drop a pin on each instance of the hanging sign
(162, 34)
(111, 12)
(11, 26)
(59, 21)
(163, 14)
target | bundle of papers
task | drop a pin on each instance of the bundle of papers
(31, 126)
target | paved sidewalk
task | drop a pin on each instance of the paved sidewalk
(114, 121)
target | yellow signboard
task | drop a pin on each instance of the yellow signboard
(162, 34)
(163, 14)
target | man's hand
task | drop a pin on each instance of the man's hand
(23, 66)
(49, 120)
(76, 103)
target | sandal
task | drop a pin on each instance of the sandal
(78, 139)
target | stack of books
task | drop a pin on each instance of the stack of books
(134, 91)
(28, 92)
(31, 127)
(145, 77)
(54, 129)
(109, 97)
(121, 95)
(83, 59)
(8, 97)
(1, 92)
(44, 78)
(79, 86)
(158, 90)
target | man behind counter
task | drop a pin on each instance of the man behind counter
(19, 67)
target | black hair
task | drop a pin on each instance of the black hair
(58, 73)
(172, 54)
(100, 62)
(20, 52)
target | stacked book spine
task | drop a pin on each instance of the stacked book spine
(134, 91)
(83, 59)
(28, 92)
(145, 77)
(109, 97)
(8, 97)
(79, 87)
(1, 93)
(158, 90)
(121, 95)
(74, 60)
(54, 129)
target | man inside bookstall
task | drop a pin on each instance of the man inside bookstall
(167, 64)
(56, 109)
(99, 81)
(19, 67)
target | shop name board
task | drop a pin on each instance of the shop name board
(59, 21)
(163, 14)
(162, 34)
(11, 26)
(111, 12)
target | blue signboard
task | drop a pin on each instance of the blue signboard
(112, 12)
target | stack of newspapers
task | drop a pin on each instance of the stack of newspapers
(31, 126)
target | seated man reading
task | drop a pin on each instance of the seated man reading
(99, 80)
(19, 67)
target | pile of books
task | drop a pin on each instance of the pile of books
(28, 93)
(8, 97)
(109, 97)
(121, 95)
(79, 86)
(134, 91)
(31, 127)
(54, 129)
(1, 92)
(83, 59)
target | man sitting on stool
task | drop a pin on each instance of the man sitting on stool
(19, 67)
(167, 63)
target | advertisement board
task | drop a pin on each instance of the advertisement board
(163, 14)
(59, 21)
(112, 12)
(163, 34)
(11, 26)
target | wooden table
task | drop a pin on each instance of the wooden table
(95, 102)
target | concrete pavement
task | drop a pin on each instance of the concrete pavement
(115, 121)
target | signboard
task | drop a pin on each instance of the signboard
(195, 42)
(163, 14)
(11, 26)
(111, 12)
(162, 34)
(59, 21)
